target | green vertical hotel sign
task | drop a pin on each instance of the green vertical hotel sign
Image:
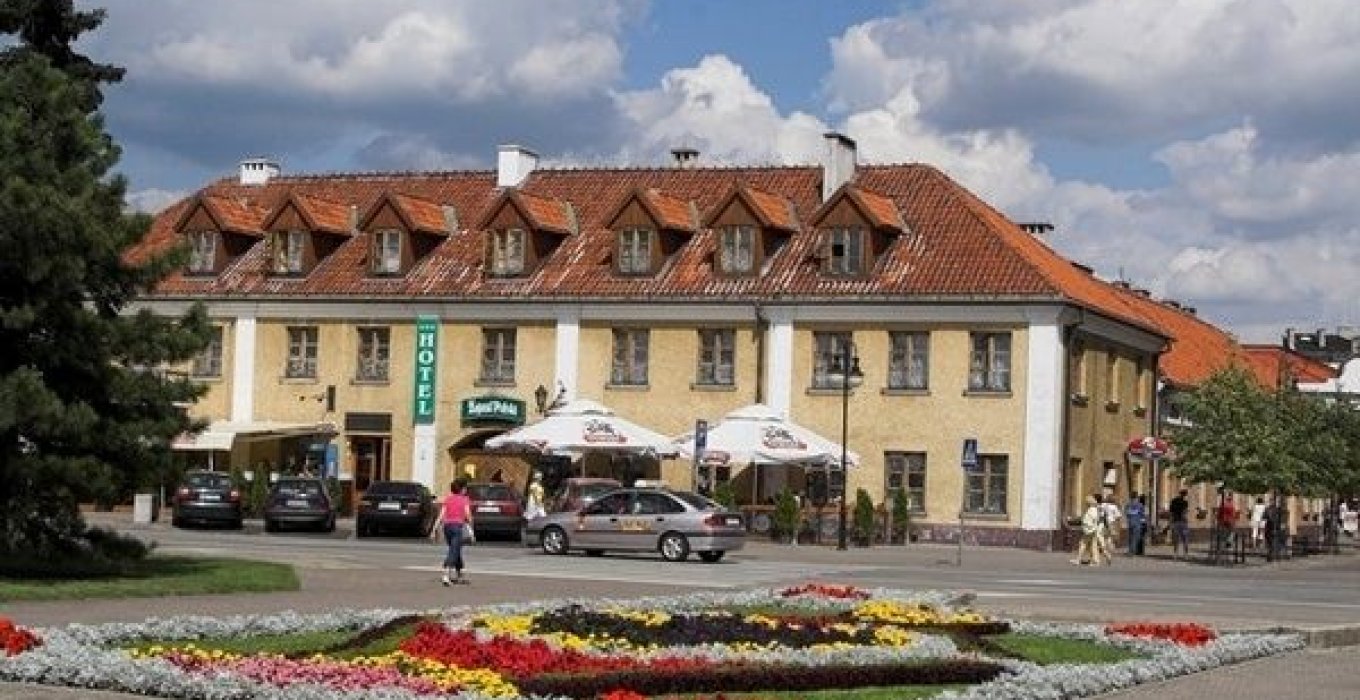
(427, 349)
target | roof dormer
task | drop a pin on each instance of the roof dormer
(523, 230)
(749, 227)
(303, 230)
(649, 227)
(218, 230)
(402, 230)
(856, 227)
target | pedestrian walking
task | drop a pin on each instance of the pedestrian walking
(1179, 510)
(533, 504)
(1258, 523)
(1088, 551)
(456, 523)
(1109, 527)
(1135, 514)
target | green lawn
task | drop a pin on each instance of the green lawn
(301, 643)
(159, 576)
(1053, 650)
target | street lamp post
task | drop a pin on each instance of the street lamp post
(847, 367)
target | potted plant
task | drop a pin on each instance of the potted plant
(786, 517)
(864, 518)
(901, 516)
(724, 494)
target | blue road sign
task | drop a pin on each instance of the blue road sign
(700, 434)
(970, 455)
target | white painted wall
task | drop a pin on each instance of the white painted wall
(1043, 423)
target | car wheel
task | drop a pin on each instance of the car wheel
(270, 526)
(674, 547)
(554, 540)
(360, 529)
(712, 557)
(594, 552)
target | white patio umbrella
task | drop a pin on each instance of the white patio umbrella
(582, 426)
(759, 435)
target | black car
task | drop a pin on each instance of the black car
(407, 506)
(206, 497)
(299, 501)
(497, 509)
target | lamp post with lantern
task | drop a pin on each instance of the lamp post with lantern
(845, 371)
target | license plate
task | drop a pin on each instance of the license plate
(488, 509)
(211, 496)
(297, 503)
(389, 506)
(734, 521)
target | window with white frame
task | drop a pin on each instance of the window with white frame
(736, 250)
(845, 251)
(906, 471)
(387, 252)
(375, 353)
(987, 486)
(828, 350)
(287, 247)
(507, 252)
(635, 251)
(630, 357)
(909, 360)
(302, 351)
(208, 362)
(717, 357)
(498, 355)
(989, 365)
(202, 251)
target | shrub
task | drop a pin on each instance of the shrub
(725, 494)
(901, 515)
(787, 517)
(864, 516)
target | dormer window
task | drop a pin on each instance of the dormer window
(845, 251)
(736, 250)
(635, 250)
(202, 252)
(387, 252)
(287, 247)
(507, 252)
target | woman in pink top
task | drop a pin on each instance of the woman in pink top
(455, 515)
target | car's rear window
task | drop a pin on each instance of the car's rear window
(298, 488)
(491, 492)
(208, 480)
(595, 490)
(696, 501)
(394, 488)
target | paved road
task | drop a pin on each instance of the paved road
(1317, 593)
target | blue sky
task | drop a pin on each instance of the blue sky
(1208, 150)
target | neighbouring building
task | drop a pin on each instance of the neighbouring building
(386, 325)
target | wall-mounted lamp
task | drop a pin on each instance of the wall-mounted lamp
(541, 398)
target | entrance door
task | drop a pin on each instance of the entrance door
(372, 460)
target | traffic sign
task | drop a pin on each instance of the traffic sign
(970, 453)
(700, 435)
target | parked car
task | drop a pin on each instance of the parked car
(407, 506)
(580, 491)
(497, 509)
(299, 501)
(206, 497)
(673, 523)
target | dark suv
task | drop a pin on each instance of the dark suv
(398, 505)
(206, 497)
(295, 500)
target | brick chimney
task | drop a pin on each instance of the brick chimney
(838, 167)
(258, 171)
(513, 165)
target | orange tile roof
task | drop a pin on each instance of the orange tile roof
(421, 214)
(671, 213)
(1274, 366)
(955, 246)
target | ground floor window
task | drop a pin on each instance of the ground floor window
(906, 471)
(372, 460)
(987, 485)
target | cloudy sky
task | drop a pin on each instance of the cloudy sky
(1206, 149)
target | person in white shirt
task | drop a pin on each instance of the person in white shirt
(1109, 525)
(533, 506)
(1089, 551)
(1258, 523)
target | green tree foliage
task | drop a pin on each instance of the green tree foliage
(864, 516)
(787, 517)
(1256, 440)
(901, 515)
(85, 410)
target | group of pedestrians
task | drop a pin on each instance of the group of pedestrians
(1098, 524)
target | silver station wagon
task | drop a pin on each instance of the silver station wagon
(651, 519)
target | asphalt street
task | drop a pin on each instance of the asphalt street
(1317, 595)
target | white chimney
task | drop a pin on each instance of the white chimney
(838, 167)
(258, 171)
(514, 165)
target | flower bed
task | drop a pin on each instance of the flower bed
(770, 640)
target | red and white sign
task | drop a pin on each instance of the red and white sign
(1149, 447)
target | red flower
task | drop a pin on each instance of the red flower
(1183, 633)
(823, 590)
(14, 639)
